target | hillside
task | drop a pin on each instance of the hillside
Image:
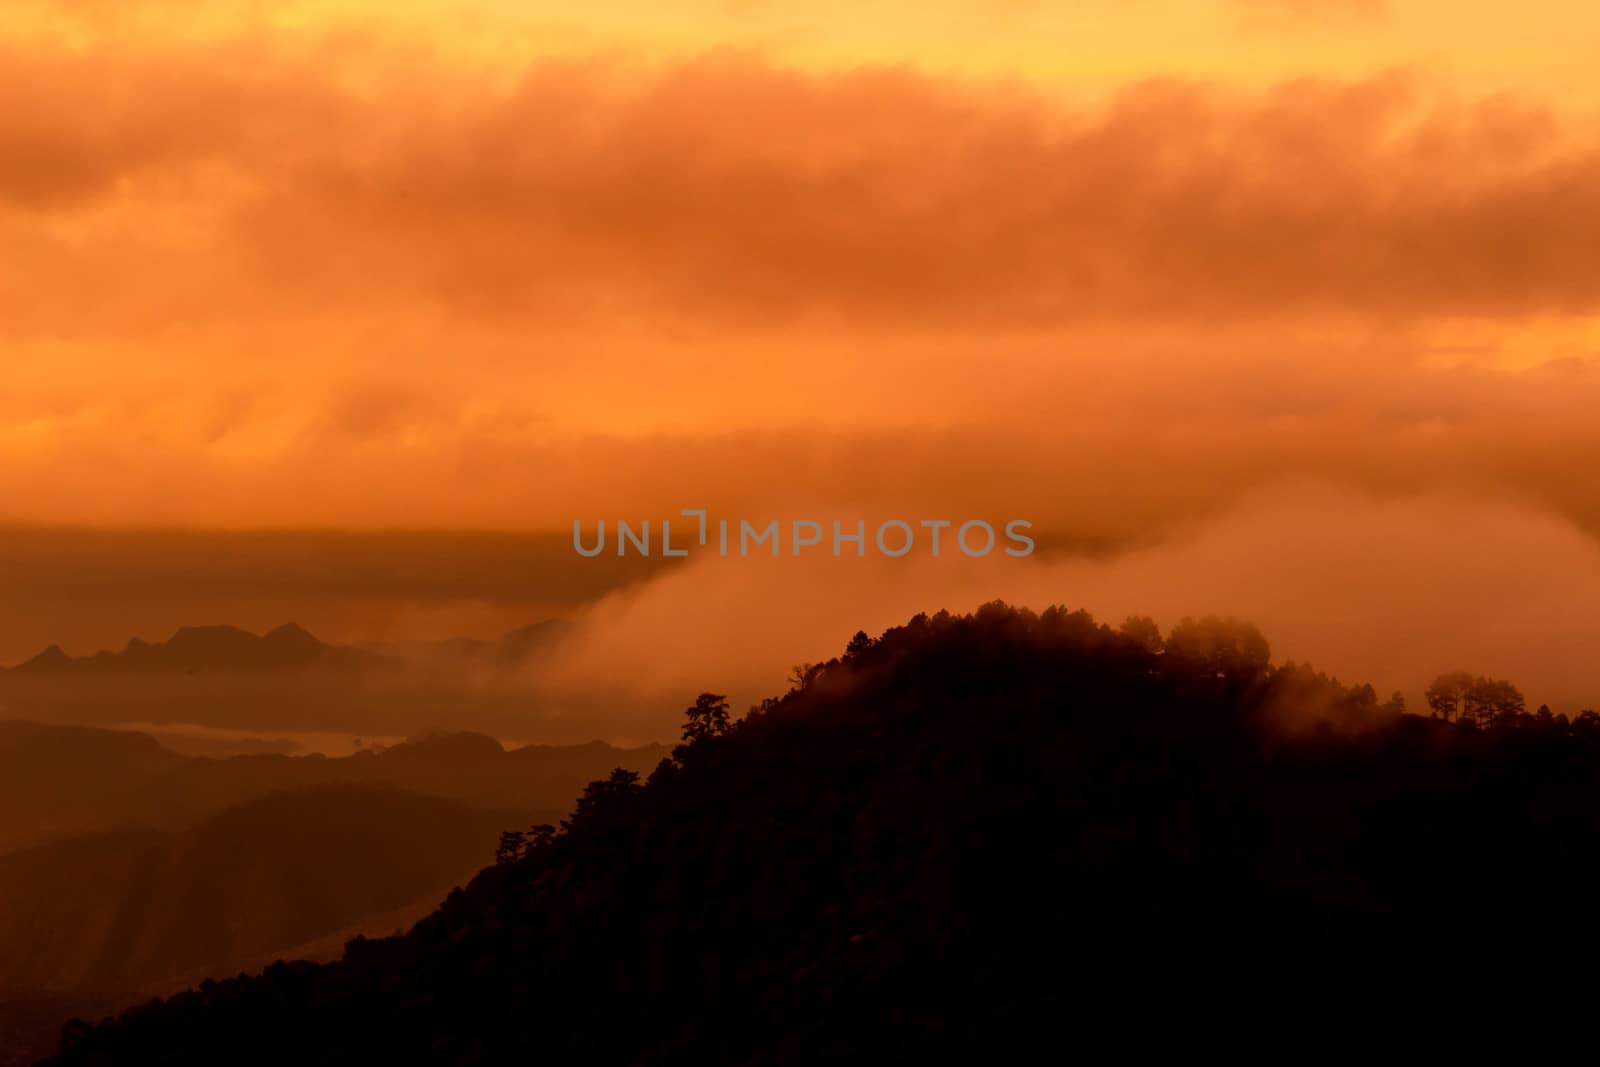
(141, 909)
(126, 867)
(62, 780)
(970, 832)
(58, 781)
(88, 924)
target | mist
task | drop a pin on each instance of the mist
(1391, 591)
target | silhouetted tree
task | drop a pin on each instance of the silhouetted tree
(800, 675)
(1493, 702)
(1475, 700)
(519, 844)
(1227, 647)
(604, 798)
(1143, 631)
(707, 718)
(511, 846)
(1447, 693)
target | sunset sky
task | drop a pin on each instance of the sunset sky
(1126, 268)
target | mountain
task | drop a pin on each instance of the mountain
(125, 866)
(31, 1020)
(288, 682)
(199, 649)
(87, 923)
(980, 837)
(135, 909)
(57, 781)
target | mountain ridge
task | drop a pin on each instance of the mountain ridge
(58, 781)
(191, 900)
(219, 647)
(974, 834)
(290, 646)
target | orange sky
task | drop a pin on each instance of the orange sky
(1123, 268)
(496, 265)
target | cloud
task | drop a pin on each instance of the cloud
(1387, 591)
(1099, 439)
(725, 189)
(250, 284)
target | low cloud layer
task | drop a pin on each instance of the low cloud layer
(1388, 592)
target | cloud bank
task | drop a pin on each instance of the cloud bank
(1392, 592)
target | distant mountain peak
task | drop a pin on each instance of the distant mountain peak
(51, 658)
(193, 649)
(458, 743)
(290, 629)
(292, 633)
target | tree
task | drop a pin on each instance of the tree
(519, 844)
(1492, 702)
(1476, 700)
(800, 675)
(605, 796)
(1226, 647)
(1446, 694)
(707, 718)
(511, 846)
(1144, 632)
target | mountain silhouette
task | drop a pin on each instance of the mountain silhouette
(973, 836)
(108, 839)
(59, 780)
(289, 647)
(62, 780)
(134, 909)
(207, 648)
(89, 923)
(287, 681)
